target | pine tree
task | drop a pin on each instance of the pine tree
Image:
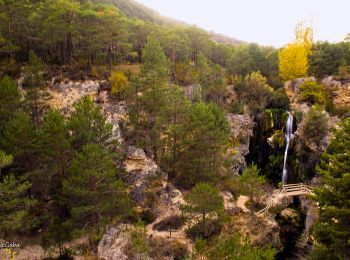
(204, 200)
(15, 202)
(88, 125)
(18, 139)
(332, 232)
(92, 189)
(173, 118)
(154, 74)
(252, 184)
(202, 150)
(54, 142)
(9, 100)
(35, 94)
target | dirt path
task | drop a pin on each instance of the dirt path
(241, 201)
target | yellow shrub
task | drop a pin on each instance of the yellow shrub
(119, 83)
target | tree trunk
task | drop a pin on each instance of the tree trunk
(90, 61)
(109, 55)
(69, 47)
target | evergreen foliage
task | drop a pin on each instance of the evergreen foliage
(331, 231)
(92, 189)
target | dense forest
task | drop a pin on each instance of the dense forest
(65, 173)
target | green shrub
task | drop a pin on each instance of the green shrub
(147, 216)
(312, 93)
(205, 230)
(172, 222)
(237, 108)
(167, 249)
(316, 124)
(279, 100)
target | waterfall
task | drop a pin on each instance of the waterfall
(289, 137)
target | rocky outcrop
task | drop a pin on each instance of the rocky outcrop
(241, 127)
(320, 146)
(304, 244)
(113, 244)
(340, 91)
(146, 178)
(341, 96)
(141, 171)
(115, 113)
(293, 91)
(66, 92)
(261, 231)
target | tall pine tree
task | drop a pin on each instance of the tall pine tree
(92, 189)
(332, 231)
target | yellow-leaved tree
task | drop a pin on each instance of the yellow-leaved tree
(294, 57)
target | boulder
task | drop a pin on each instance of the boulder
(113, 244)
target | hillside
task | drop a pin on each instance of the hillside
(134, 9)
(125, 136)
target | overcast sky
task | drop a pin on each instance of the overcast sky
(267, 22)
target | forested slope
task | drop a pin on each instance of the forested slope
(126, 133)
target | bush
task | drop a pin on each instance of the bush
(312, 93)
(205, 230)
(237, 108)
(119, 83)
(163, 249)
(316, 124)
(172, 222)
(148, 216)
(9, 67)
(279, 100)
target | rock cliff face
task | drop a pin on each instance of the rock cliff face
(241, 131)
(261, 231)
(148, 184)
(66, 92)
(341, 96)
(113, 244)
(340, 91)
(293, 91)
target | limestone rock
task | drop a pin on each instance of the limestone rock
(140, 171)
(115, 113)
(261, 231)
(229, 202)
(66, 92)
(293, 91)
(113, 244)
(323, 144)
(340, 91)
(241, 127)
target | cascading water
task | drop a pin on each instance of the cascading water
(289, 136)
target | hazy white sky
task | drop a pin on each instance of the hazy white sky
(267, 22)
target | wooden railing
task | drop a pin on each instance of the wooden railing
(287, 190)
(296, 188)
